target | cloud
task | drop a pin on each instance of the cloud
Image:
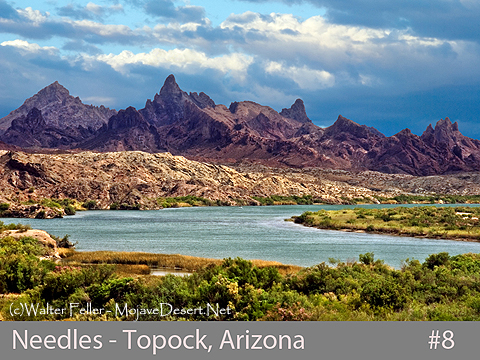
(166, 9)
(103, 100)
(26, 47)
(304, 77)
(6, 11)
(34, 24)
(187, 61)
(91, 11)
(82, 47)
(362, 71)
(448, 19)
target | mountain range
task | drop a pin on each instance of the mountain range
(192, 125)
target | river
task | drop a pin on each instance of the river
(250, 232)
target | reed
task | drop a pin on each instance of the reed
(165, 261)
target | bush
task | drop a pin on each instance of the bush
(51, 203)
(70, 210)
(440, 259)
(20, 268)
(90, 204)
(4, 206)
(367, 259)
(384, 292)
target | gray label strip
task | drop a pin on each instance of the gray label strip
(239, 340)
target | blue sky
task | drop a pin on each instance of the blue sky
(384, 63)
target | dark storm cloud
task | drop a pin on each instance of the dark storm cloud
(447, 19)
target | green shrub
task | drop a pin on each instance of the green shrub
(4, 206)
(384, 292)
(367, 258)
(90, 204)
(51, 203)
(20, 267)
(440, 259)
(70, 210)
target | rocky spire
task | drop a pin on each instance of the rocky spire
(296, 112)
(170, 86)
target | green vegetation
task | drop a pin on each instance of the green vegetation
(123, 206)
(70, 206)
(167, 261)
(287, 200)
(90, 204)
(19, 227)
(442, 288)
(432, 199)
(4, 206)
(190, 200)
(182, 201)
(459, 222)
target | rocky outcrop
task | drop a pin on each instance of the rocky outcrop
(34, 211)
(296, 112)
(41, 236)
(138, 178)
(126, 131)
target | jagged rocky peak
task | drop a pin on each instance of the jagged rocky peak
(171, 92)
(168, 105)
(446, 125)
(53, 92)
(233, 107)
(344, 125)
(202, 100)
(127, 118)
(296, 112)
(444, 132)
(428, 131)
(170, 86)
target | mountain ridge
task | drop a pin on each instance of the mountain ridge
(192, 125)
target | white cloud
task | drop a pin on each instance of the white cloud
(27, 47)
(94, 8)
(308, 79)
(35, 16)
(102, 29)
(187, 60)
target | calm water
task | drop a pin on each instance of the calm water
(248, 232)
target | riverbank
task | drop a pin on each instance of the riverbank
(51, 208)
(448, 223)
(442, 288)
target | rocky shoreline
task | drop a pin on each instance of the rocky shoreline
(33, 185)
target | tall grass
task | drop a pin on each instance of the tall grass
(164, 261)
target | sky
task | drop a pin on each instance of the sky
(385, 63)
